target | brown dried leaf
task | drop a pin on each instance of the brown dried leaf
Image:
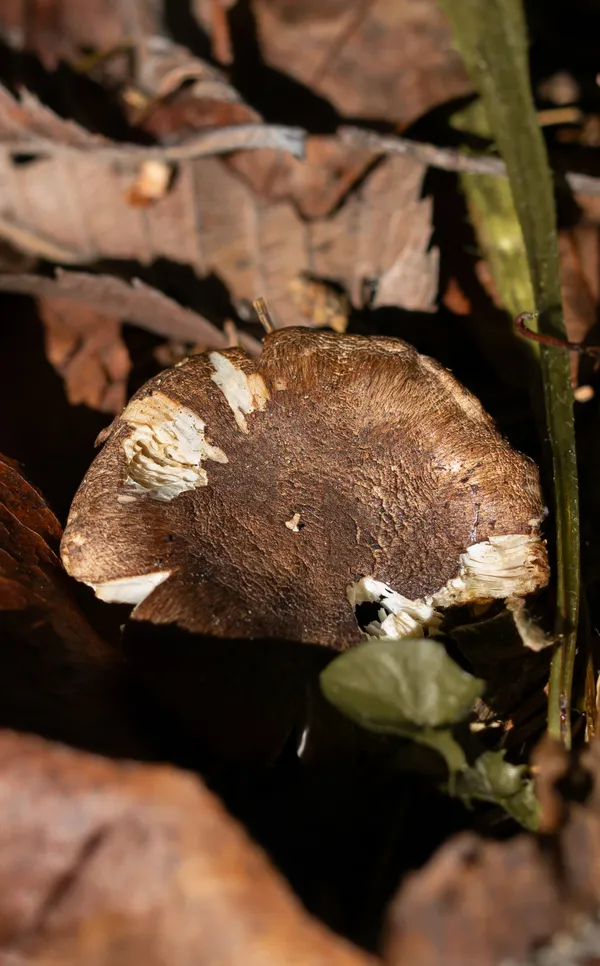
(475, 904)
(381, 236)
(320, 304)
(27, 125)
(316, 184)
(579, 251)
(214, 223)
(393, 60)
(56, 673)
(27, 121)
(86, 349)
(137, 864)
(210, 101)
(62, 29)
(132, 302)
(455, 299)
(580, 839)
(550, 763)
(579, 262)
(526, 900)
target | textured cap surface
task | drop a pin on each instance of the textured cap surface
(250, 498)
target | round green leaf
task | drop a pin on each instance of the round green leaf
(389, 685)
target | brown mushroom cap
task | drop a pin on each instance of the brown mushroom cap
(259, 498)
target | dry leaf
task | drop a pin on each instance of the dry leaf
(28, 126)
(320, 304)
(525, 900)
(455, 299)
(104, 862)
(136, 302)
(475, 904)
(550, 763)
(580, 839)
(579, 263)
(28, 123)
(209, 101)
(57, 675)
(62, 29)
(316, 185)
(393, 60)
(215, 224)
(86, 349)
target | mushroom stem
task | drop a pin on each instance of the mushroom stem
(260, 307)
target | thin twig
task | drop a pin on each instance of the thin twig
(260, 307)
(223, 140)
(450, 159)
(280, 137)
(544, 339)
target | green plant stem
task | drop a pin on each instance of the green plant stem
(491, 36)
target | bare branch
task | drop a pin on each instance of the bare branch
(222, 140)
(450, 159)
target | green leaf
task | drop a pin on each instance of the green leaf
(491, 36)
(411, 688)
(492, 779)
(400, 684)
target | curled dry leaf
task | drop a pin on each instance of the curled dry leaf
(350, 52)
(316, 184)
(132, 301)
(86, 349)
(213, 222)
(139, 859)
(57, 674)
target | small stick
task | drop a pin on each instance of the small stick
(587, 350)
(260, 307)
(233, 336)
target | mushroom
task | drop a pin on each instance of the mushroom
(270, 498)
